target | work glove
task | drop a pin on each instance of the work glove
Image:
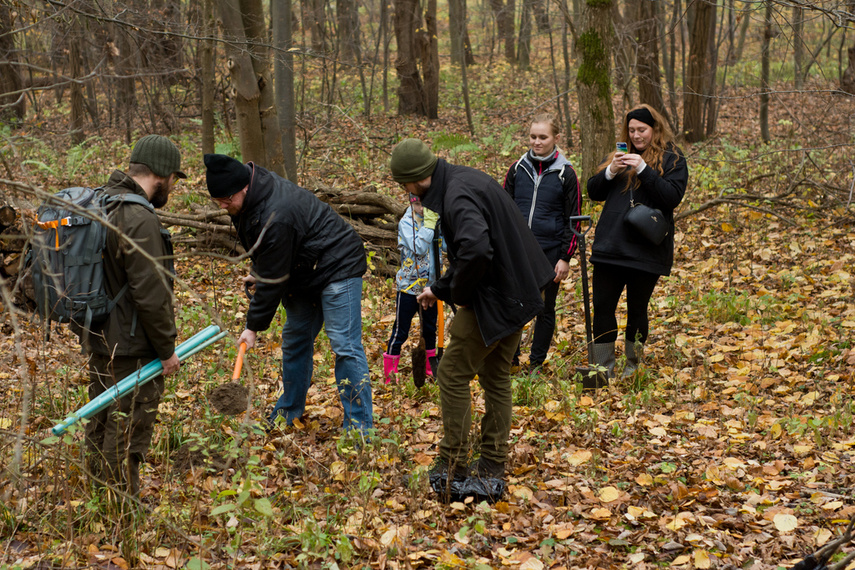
(431, 218)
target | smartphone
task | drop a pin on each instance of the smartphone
(621, 147)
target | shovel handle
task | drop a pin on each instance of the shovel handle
(440, 329)
(574, 219)
(239, 361)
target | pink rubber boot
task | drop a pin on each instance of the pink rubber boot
(390, 367)
(431, 361)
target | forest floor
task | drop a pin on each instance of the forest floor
(733, 448)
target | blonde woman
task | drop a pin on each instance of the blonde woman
(653, 172)
(546, 190)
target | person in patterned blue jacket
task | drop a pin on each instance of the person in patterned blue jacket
(420, 254)
(545, 188)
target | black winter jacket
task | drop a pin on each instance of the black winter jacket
(297, 243)
(547, 193)
(495, 264)
(615, 242)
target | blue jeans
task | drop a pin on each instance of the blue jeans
(339, 310)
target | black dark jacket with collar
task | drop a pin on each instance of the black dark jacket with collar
(495, 264)
(297, 243)
(615, 242)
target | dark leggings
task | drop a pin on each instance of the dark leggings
(609, 282)
(406, 309)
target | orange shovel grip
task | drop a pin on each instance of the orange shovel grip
(239, 361)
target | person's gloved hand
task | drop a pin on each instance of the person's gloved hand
(431, 218)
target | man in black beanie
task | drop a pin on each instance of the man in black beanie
(308, 258)
(495, 276)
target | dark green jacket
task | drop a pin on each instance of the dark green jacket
(143, 322)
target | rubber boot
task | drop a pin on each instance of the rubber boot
(634, 352)
(604, 355)
(432, 363)
(390, 367)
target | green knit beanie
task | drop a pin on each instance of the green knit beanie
(412, 161)
(160, 155)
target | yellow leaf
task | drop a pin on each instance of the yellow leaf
(579, 457)
(644, 479)
(609, 494)
(586, 401)
(726, 228)
(785, 523)
(702, 559)
(776, 431)
(532, 564)
(388, 537)
(832, 506)
(5, 423)
(601, 514)
(822, 535)
(680, 560)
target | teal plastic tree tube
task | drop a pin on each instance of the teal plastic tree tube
(186, 349)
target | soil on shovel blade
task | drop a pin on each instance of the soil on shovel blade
(229, 399)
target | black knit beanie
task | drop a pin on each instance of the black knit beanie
(225, 175)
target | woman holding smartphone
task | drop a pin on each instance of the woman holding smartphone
(649, 170)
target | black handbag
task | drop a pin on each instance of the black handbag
(649, 222)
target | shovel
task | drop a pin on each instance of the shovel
(440, 331)
(592, 378)
(239, 362)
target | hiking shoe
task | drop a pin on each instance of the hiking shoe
(445, 482)
(484, 468)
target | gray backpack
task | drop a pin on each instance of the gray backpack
(66, 256)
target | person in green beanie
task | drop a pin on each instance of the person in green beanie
(141, 327)
(495, 277)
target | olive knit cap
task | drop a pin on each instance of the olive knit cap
(412, 161)
(160, 155)
(225, 175)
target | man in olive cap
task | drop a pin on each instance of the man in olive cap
(495, 276)
(141, 327)
(310, 260)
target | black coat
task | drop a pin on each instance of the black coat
(617, 243)
(495, 264)
(297, 243)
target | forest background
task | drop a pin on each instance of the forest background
(732, 449)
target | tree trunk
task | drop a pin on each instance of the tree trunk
(258, 125)
(524, 43)
(697, 71)
(430, 60)
(765, 58)
(847, 81)
(126, 93)
(348, 30)
(283, 70)
(647, 65)
(798, 47)
(75, 45)
(593, 84)
(412, 98)
(504, 14)
(13, 104)
(206, 60)
(457, 26)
